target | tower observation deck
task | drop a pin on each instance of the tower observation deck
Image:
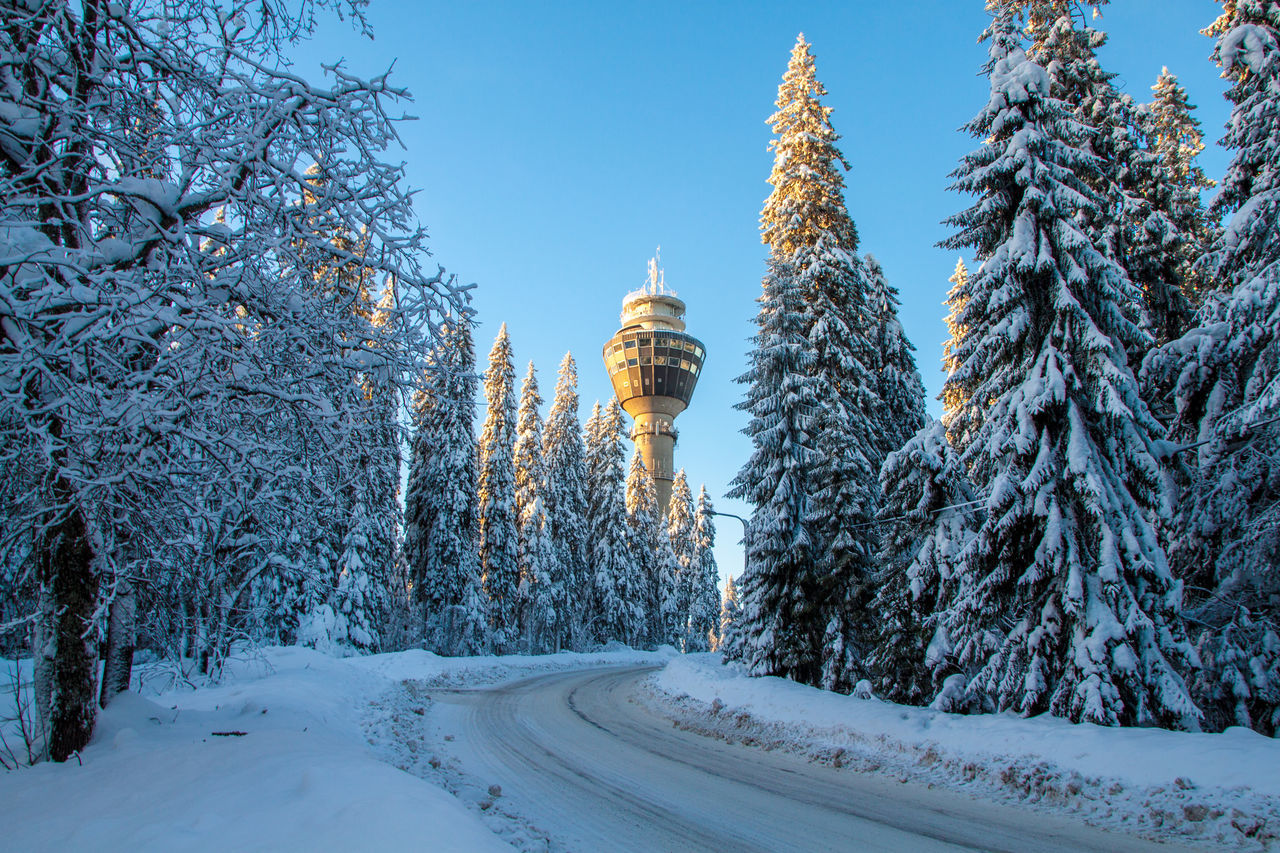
(654, 365)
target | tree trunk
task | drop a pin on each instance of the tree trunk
(67, 579)
(43, 653)
(122, 632)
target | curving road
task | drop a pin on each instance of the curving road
(597, 771)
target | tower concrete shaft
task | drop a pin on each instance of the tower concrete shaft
(654, 365)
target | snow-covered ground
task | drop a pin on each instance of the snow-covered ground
(285, 754)
(1219, 789)
(298, 750)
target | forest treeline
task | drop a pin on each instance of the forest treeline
(1091, 529)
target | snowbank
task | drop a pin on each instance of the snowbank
(275, 757)
(1218, 787)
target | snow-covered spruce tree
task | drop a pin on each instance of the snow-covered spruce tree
(780, 587)
(1068, 605)
(680, 534)
(441, 534)
(566, 502)
(540, 597)
(898, 382)
(161, 373)
(1174, 135)
(343, 285)
(496, 493)
(651, 555)
(617, 613)
(704, 588)
(730, 612)
(1221, 382)
(590, 617)
(812, 398)
(1248, 49)
(1133, 223)
(930, 514)
(379, 488)
(356, 605)
(344, 623)
(850, 445)
(954, 396)
(1238, 683)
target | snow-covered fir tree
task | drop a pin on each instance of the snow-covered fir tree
(704, 587)
(1133, 223)
(812, 539)
(344, 624)
(1248, 50)
(441, 536)
(953, 396)
(680, 535)
(540, 597)
(344, 286)
(1238, 683)
(380, 460)
(566, 502)
(850, 449)
(1173, 134)
(652, 559)
(496, 495)
(730, 612)
(898, 382)
(780, 586)
(1222, 379)
(1068, 605)
(616, 612)
(930, 513)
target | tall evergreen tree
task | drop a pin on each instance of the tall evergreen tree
(496, 494)
(617, 612)
(730, 613)
(1223, 379)
(540, 597)
(680, 535)
(930, 513)
(952, 396)
(565, 456)
(355, 601)
(898, 384)
(780, 589)
(1069, 605)
(818, 559)
(652, 560)
(1131, 222)
(441, 533)
(704, 591)
(378, 490)
(1173, 134)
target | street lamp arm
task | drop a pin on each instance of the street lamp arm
(731, 515)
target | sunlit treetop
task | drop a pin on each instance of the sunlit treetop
(808, 189)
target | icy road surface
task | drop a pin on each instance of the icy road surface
(583, 762)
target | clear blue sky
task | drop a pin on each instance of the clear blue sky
(558, 143)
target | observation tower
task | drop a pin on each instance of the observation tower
(654, 365)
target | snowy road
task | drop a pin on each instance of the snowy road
(595, 770)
